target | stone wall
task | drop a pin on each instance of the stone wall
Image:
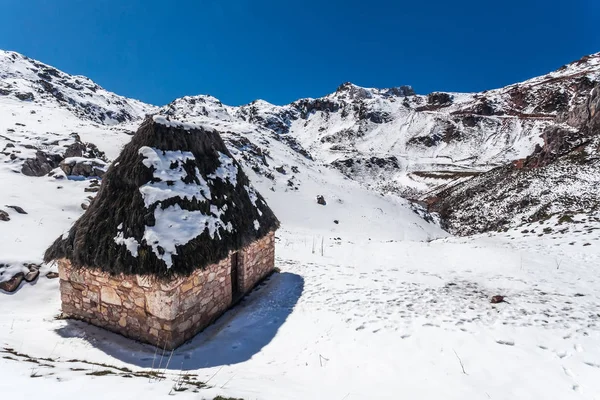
(163, 313)
(258, 261)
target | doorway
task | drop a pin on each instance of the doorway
(235, 276)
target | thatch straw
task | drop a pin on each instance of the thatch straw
(91, 240)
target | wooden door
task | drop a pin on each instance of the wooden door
(235, 276)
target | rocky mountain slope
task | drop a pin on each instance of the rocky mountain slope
(437, 149)
(29, 80)
(484, 161)
(395, 140)
(560, 177)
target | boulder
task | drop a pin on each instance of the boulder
(18, 209)
(76, 149)
(78, 166)
(4, 216)
(497, 299)
(13, 283)
(32, 275)
(42, 164)
(28, 96)
(439, 98)
(321, 200)
(81, 149)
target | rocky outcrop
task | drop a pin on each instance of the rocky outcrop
(11, 276)
(79, 158)
(79, 95)
(27, 96)
(41, 165)
(439, 98)
(86, 167)
(559, 177)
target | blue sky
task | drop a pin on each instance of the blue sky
(241, 50)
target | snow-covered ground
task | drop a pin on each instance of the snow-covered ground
(372, 301)
(352, 319)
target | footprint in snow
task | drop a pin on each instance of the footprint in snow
(507, 342)
(591, 364)
(568, 372)
(562, 354)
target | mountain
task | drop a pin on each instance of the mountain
(484, 161)
(560, 177)
(464, 156)
(395, 140)
(30, 80)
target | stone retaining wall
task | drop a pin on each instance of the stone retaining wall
(163, 313)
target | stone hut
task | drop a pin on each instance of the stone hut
(175, 236)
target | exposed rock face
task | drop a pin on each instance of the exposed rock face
(560, 177)
(28, 96)
(439, 98)
(164, 313)
(77, 166)
(78, 158)
(440, 132)
(41, 164)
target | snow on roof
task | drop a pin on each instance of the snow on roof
(227, 170)
(176, 226)
(169, 177)
(174, 201)
(159, 119)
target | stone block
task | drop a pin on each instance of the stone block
(162, 304)
(109, 295)
(187, 285)
(140, 301)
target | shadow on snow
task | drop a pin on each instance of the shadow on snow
(235, 337)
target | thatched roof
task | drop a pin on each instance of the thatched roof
(175, 200)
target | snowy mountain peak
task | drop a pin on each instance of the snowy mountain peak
(25, 79)
(350, 91)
